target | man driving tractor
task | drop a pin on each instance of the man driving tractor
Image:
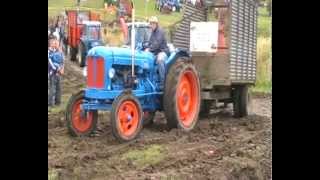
(158, 46)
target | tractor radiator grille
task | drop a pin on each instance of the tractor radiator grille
(95, 72)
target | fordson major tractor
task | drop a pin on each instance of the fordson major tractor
(83, 34)
(213, 62)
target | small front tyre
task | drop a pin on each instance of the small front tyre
(126, 117)
(78, 122)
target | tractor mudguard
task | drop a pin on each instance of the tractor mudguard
(173, 59)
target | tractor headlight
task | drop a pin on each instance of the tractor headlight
(112, 72)
(84, 71)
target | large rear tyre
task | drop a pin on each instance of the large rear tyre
(241, 101)
(182, 96)
(78, 122)
(126, 117)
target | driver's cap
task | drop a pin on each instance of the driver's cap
(153, 19)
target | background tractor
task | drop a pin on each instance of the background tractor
(213, 62)
(83, 33)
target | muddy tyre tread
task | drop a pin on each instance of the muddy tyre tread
(169, 100)
(114, 123)
(240, 101)
(71, 129)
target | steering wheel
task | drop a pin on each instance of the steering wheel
(145, 45)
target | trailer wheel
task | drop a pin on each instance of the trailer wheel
(73, 53)
(126, 117)
(81, 55)
(148, 117)
(182, 96)
(241, 101)
(78, 122)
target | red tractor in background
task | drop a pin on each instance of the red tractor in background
(78, 21)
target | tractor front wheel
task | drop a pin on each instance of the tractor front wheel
(126, 117)
(80, 123)
(182, 96)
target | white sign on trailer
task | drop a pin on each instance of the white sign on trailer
(204, 37)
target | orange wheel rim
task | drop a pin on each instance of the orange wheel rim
(187, 98)
(80, 123)
(128, 118)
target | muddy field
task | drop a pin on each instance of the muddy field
(221, 147)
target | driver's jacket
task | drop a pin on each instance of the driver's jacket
(158, 42)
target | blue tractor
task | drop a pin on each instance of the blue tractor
(125, 81)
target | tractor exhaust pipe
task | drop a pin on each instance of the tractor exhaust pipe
(133, 40)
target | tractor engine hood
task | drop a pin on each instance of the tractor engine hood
(122, 56)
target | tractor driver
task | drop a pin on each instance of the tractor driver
(158, 46)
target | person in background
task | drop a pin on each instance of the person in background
(55, 71)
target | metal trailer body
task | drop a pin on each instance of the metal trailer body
(235, 62)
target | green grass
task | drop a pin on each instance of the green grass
(56, 6)
(264, 23)
(264, 63)
(263, 87)
(145, 157)
(164, 19)
(52, 175)
(143, 10)
(264, 53)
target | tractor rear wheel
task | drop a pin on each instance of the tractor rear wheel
(78, 122)
(81, 55)
(241, 101)
(182, 96)
(126, 117)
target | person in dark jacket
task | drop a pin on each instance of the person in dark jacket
(158, 46)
